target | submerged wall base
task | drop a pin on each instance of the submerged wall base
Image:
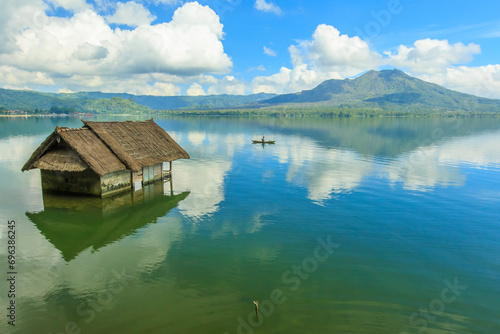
(89, 183)
(86, 182)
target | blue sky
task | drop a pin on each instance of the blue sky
(174, 47)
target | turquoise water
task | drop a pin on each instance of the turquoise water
(343, 226)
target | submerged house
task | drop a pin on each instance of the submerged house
(103, 158)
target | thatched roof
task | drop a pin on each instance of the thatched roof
(61, 158)
(106, 147)
(138, 144)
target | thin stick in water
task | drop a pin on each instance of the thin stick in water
(256, 308)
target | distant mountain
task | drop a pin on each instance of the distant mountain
(387, 89)
(58, 103)
(391, 90)
(185, 102)
(30, 100)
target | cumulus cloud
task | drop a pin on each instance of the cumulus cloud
(267, 7)
(331, 55)
(481, 81)
(83, 52)
(328, 55)
(13, 77)
(272, 83)
(287, 80)
(157, 89)
(84, 45)
(269, 51)
(329, 50)
(131, 14)
(440, 62)
(87, 51)
(195, 90)
(228, 85)
(432, 55)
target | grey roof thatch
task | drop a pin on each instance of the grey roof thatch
(106, 147)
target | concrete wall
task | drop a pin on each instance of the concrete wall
(115, 182)
(86, 182)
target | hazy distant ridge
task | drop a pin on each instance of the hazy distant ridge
(387, 89)
(30, 100)
(375, 90)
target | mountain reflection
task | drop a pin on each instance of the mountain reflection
(75, 223)
(439, 165)
(325, 171)
(329, 157)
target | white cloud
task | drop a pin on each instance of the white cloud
(204, 79)
(228, 85)
(328, 55)
(84, 46)
(272, 83)
(87, 51)
(16, 16)
(157, 89)
(432, 55)
(82, 52)
(329, 50)
(331, 55)
(131, 14)
(138, 85)
(436, 61)
(267, 7)
(65, 91)
(481, 81)
(14, 77)
(269, 51)
(195, 90)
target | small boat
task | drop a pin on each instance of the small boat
(263, 142)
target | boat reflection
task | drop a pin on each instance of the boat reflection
(75, 223)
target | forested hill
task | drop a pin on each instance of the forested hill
(185, 102)
(54, 103)
(100, 102)
(374, 91)
(387, 89)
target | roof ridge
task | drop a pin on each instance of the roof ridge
(65, 129)
(115, 147)
(130, 145)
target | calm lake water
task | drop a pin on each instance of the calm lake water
(343, 226)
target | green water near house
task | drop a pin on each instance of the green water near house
(343, 226)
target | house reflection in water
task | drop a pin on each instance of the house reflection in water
(75, 223)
